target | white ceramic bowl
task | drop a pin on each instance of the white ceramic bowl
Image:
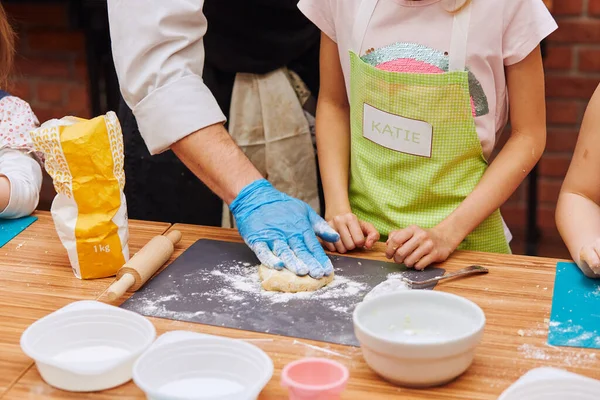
(552, 384)
(190, 366)
(419, 338)
(87, 346)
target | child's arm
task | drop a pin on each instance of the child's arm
(578, 211)
(419, 248)
(333, 145)
(4, 192)
(20, 184)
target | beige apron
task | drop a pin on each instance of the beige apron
(268, 123)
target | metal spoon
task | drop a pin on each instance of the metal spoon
(472, 270)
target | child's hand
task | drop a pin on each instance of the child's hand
(418, 248)
(353, 233)
(590, 255)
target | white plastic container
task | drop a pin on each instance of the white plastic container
(419, 338)
(189, 366)
(552, 384)
(87, 345)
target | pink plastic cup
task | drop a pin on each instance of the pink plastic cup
(314, 379)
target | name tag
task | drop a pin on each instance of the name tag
(397, 133)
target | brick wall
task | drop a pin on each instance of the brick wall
(572, 74)
(50, 70)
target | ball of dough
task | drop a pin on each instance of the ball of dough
(286, 281)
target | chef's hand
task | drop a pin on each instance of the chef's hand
(353, 232)
(281, 230)
(418, 248)
(589, 259)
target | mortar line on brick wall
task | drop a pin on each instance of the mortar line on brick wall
(567, 18)
(574, 60)
(560, 130)
(568, 74)
(550, 179)
(567, 99)
(588, 74)
(574, 127)
(585, 8)
(589, 46)
(558, 154)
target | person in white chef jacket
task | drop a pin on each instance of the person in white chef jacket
(159, 58)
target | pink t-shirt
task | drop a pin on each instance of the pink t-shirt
(418, 33)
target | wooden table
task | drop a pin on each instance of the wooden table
(516, 297)
(36, 279)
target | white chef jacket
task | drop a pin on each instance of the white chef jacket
(159, 58)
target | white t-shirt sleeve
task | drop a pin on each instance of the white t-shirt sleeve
(526, 24)
(17, 120)
(158, 53)
(25, 176)
(320, 13)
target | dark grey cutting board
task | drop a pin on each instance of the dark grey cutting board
(216, 283)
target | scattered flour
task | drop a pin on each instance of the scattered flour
(581, 338)
(563, 356)
(157, 307)
(238, 282)
(391, 285)
(341, 309)
(539, 332)
(578, 329)
(568, 356)
(595, 293)
(245, 281)
(533, 352)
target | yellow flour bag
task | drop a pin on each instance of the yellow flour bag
(85, 160)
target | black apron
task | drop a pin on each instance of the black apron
(253, 36)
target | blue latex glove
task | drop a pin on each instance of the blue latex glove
(281, 230)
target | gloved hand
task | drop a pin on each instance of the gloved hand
(281, 230)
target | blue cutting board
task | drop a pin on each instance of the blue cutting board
(575, 318)
(9, 228)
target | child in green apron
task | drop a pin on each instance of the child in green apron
(578, 211)
(413, 97)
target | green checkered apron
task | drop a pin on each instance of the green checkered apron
(415, 153)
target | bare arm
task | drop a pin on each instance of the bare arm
(4, 192)
(578, 211)
(213, 156)
(333, 130)
(520, 154)
(20, 183)
(159, 59)
(417, 247)
(333, 144)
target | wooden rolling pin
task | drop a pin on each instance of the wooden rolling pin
(144, 264)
